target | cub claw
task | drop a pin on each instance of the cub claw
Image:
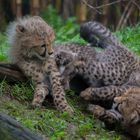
(66, 109)
(69, 110)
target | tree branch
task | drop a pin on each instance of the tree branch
(101, 6)
(136, 4)
(108, 4)
(85, 2)
(125, 14)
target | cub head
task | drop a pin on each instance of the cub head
(63, 57)
(30, 37)
(129, 107)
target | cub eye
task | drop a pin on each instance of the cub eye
(43, 46)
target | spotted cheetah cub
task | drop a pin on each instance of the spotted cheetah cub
(31, 41)
(115, 69)
(125, 110)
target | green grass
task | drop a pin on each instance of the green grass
(131, 38)
(15, 100)
(3, 47)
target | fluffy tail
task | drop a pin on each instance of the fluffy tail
(97, 34)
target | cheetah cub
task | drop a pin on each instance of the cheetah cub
(125, 110)
(115, 69)
(31, 41)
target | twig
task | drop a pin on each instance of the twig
(108, 4)
(136, 4)
(85, 2)
(101, 6)
(123, 15)
(127, 15)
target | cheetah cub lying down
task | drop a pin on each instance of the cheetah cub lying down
(125, 111)
(109, 73)
(31, 41)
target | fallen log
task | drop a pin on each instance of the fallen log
(11, 73)
(10, 129)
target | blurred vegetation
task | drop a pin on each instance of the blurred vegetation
(64, 29)
(117, 13)
(3, 47)
(16, 99)
(68, 31)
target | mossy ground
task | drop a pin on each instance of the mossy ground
(15, 100)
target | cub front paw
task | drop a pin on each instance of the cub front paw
(97, 110)
(36, 104)
(86, 94)
(33, 106)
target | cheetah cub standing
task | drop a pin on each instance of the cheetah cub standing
(31, 40)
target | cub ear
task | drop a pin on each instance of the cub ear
(20, 29)
(52, 34)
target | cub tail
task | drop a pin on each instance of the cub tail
(98, 35)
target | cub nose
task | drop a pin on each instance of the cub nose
(50, 50)
(50, 53)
